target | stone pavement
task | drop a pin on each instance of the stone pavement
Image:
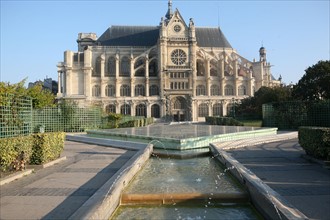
(58, 191)
(284, 167)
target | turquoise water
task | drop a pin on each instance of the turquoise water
(204, 175)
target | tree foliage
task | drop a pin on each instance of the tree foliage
(40, 97)
(252, 106)
(315, 84)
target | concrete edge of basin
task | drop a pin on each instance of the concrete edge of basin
(267, 201)
(103, 203)
(127, 145)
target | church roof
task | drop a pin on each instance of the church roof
(211, 37)
(148, 36)
(130, 36)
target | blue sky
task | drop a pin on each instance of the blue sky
(34, 34)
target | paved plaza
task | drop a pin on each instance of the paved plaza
(58, 191)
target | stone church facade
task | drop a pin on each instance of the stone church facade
(174, 69)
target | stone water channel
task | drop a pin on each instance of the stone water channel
(182, 179)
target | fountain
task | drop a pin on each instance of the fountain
(183, 178)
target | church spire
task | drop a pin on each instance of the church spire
(169, 11)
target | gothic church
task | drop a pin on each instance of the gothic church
(174, 69)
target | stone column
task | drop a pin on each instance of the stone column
(147, 77)
(102, 75)
(207, 75)
(132, 76)
(59, 92)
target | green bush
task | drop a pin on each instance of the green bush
(222, 121)
(47, 147)
(315, 141)
(10, 148)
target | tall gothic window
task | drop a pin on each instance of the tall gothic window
(155, 111)
(111, 66)
(110, 109)
(97, 71)
(213, 68)
(153, 90)
(203, 110)
(215, 90)
(217, 109)
(125, 67)
(139, 90)
(229, 90)
(125, 109)
(153, 68)
(200, 90)
(96, 91)
(241, 90)
(110, 90)
(139, 67)
(200, 68)
(125, 90)
(140, 110)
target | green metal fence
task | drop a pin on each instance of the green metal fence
(72, 119)
(291, 115)
(15, 115)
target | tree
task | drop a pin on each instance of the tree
(40, 97)
(315, 84)
(252, 106)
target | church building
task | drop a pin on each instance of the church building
(174, 69)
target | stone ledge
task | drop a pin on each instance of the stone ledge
(20, 174)
(15, 176)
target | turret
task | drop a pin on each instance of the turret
(169, 13)
(262, 53)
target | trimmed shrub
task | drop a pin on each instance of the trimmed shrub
(222, 121)
(47, 147)
(315, 141)
(11, 148)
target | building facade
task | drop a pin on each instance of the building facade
(174, 69)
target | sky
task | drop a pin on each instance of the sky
(35, 34)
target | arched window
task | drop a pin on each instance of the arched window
(215, 90)
(229, 90)
(139, 90)
(155, 112)
(125, 67)
(153, 68)
(110, 109)
(200, 90)
(97, 71)
(96, 91)
(139, 67)
(178, 104)
(241, 90)
(213, 68)
(110, 90)
(203, 110)
(111, 67)
(125, 90)
(200, 68)
(217, 109)
(140, 110)
(125, 109)
(153, 90)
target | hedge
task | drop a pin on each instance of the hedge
(10, 148)
(222, 121)
(47, 147)
(315, 141)
(37, 148)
